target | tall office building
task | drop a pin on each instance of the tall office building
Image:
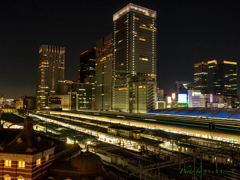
(134, 59)
(86, 72)
(222, 78)
(50, 72)
(200, 76)
(104, 60)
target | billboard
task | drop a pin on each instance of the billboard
(169, 99)
(211, 98)
(182, 98)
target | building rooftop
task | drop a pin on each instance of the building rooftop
(225, 119)
(135, 8)
(122, 153)
(86, 165)
(127, 128)
(27, 141)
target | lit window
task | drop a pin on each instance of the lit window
(143, 59)
(38, 162)
(47, 158)
(20, 179)
(7, 178)
(21, 164)
(141, 39)
(7, 163)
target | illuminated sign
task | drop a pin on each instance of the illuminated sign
(196, 93)
(173, 96)
(169, 99)
(182, 98)
(211, 98)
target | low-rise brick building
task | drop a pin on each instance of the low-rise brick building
(26, 155)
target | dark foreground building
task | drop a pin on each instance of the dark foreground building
(26, 155)
(86, 166)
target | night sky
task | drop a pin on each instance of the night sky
(188, 32)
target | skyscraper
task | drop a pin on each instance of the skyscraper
(104, 60)
(86, 72)
(200, 76)
(222, 78)
(50, 72)
(134, 59)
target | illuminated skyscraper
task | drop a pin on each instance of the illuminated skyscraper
(104, 60)
(134, 59)
(200, 76)
(222, 78)
(86, 72)
(50, 72)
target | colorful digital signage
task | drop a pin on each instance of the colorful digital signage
(182, 98)
(211, 98)
(169, 99)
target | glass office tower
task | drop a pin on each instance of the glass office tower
(103, 87)
(50, 72)
(86, 72)
(134, 59)
(222, 78)
(200, 76)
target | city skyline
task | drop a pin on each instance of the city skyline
(188, 33)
